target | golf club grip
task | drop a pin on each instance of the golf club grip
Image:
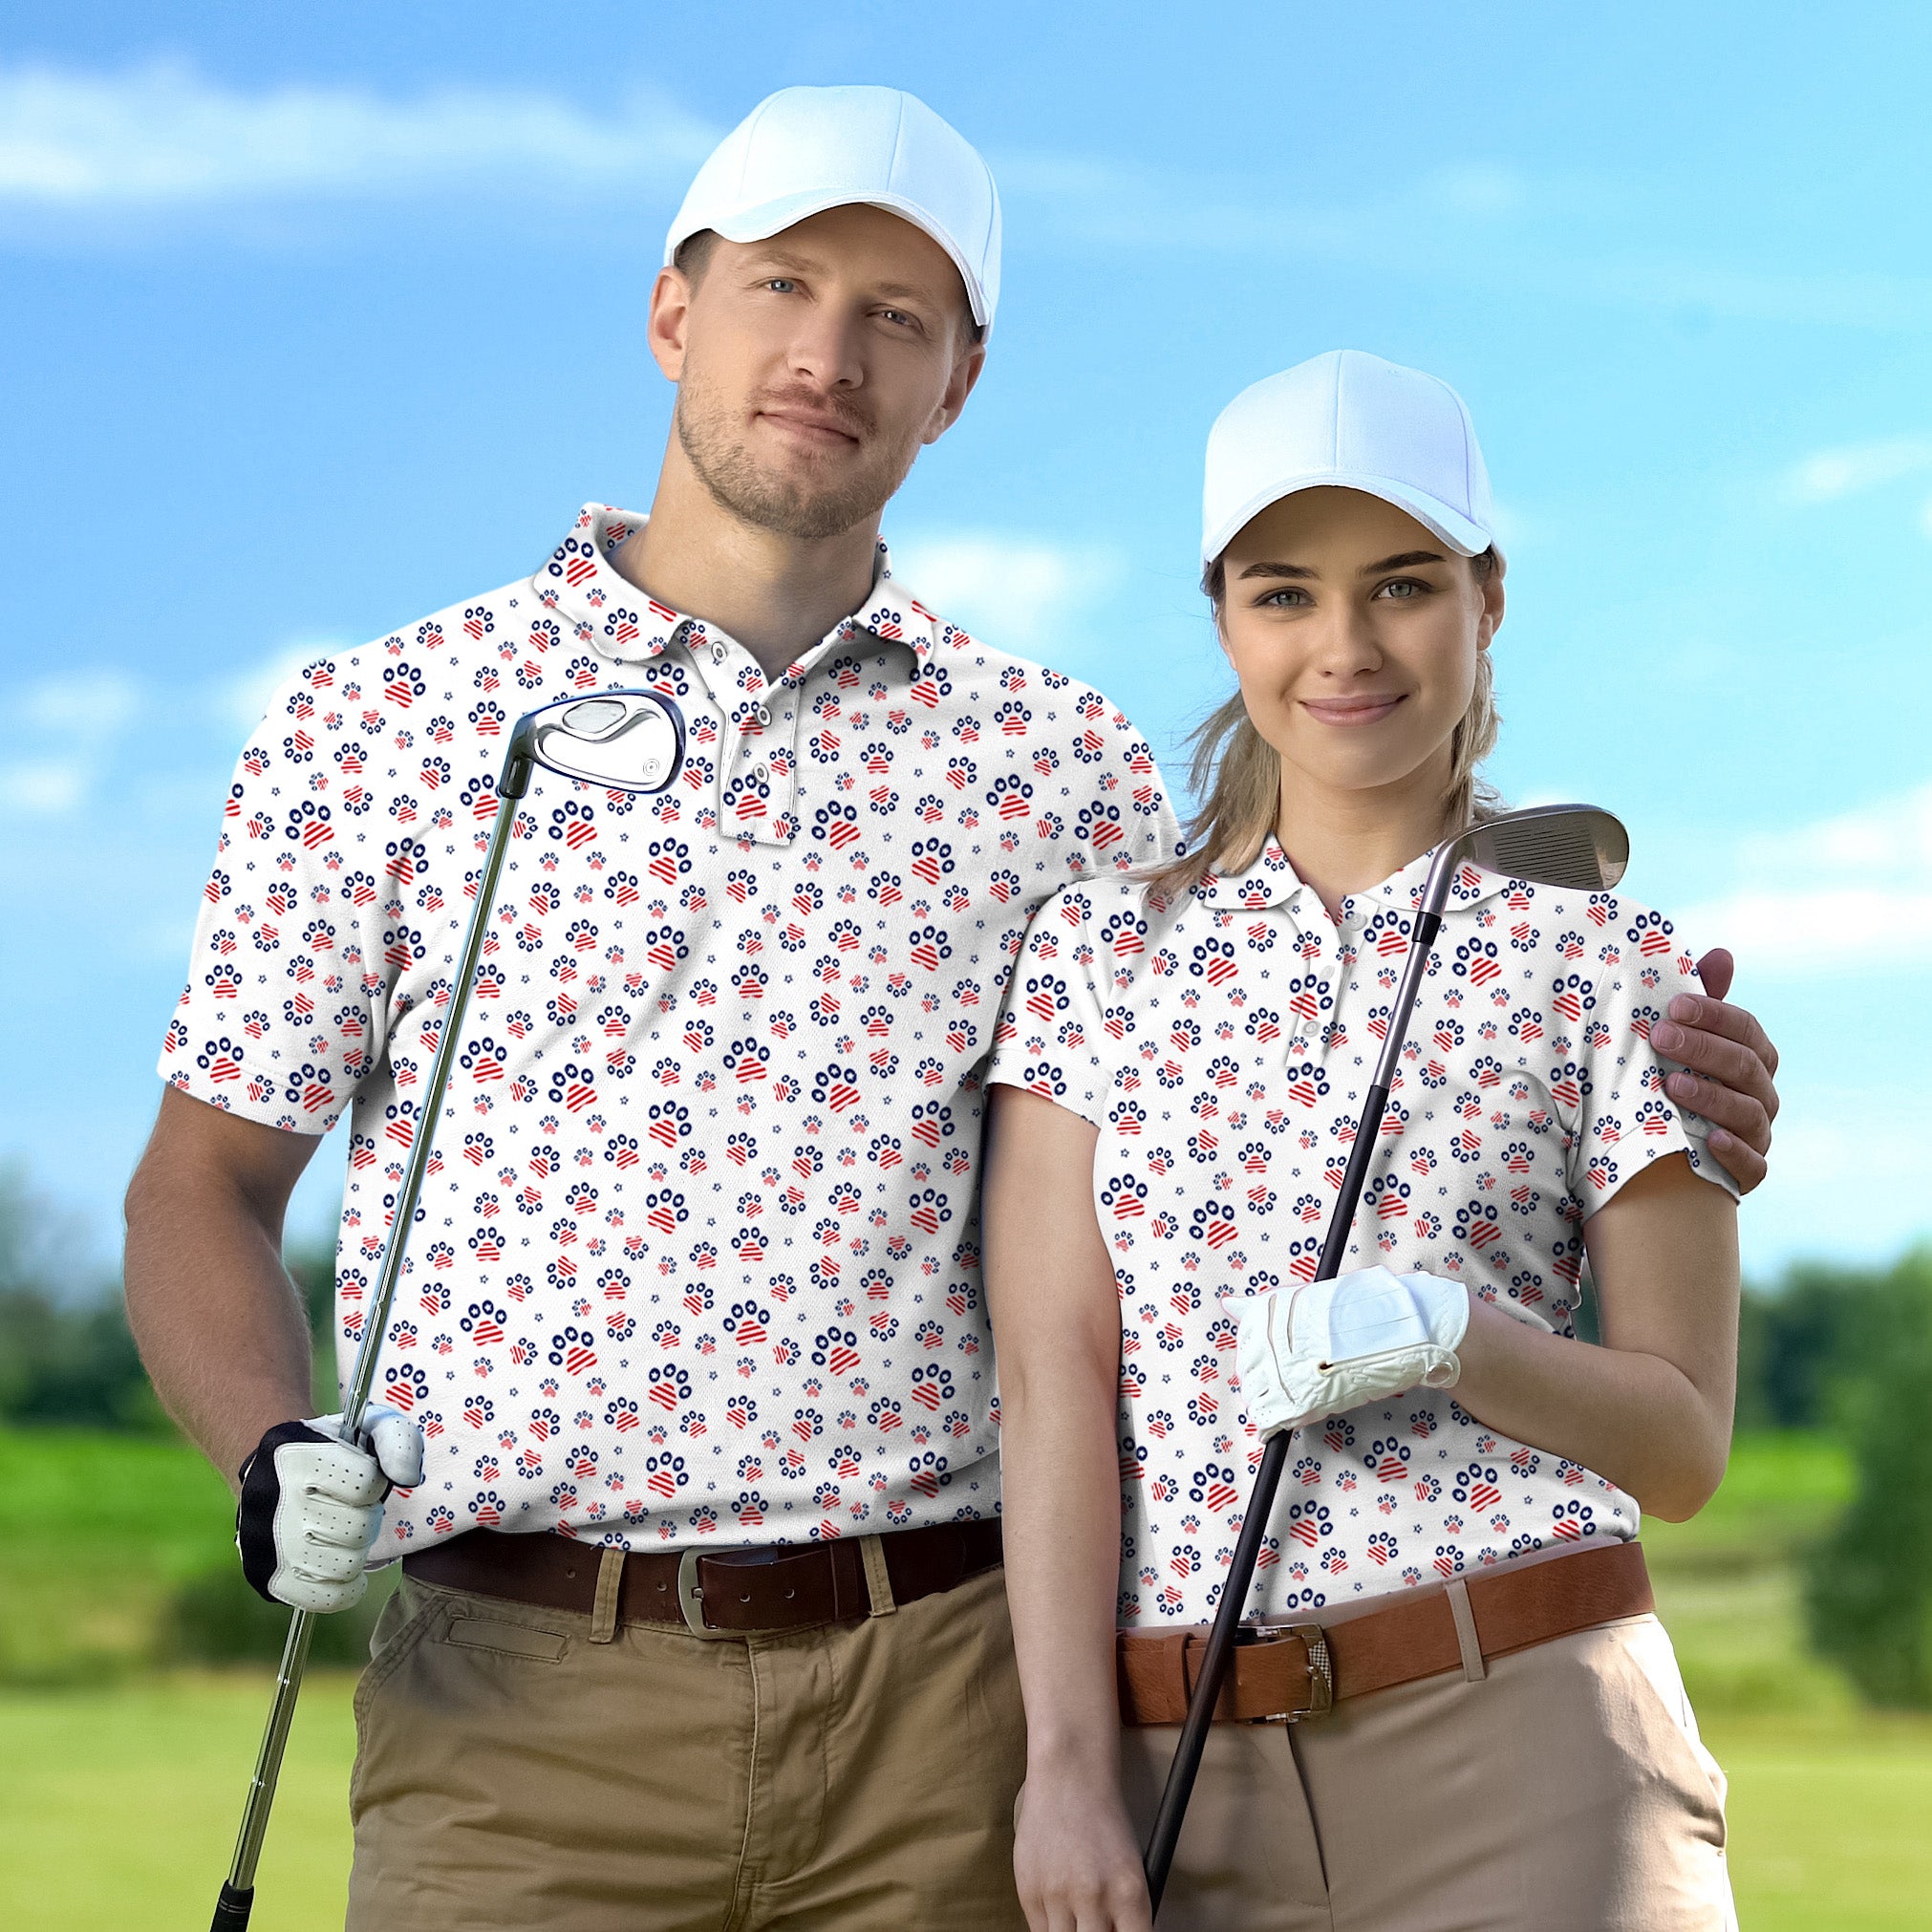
(232, 1909)
(1214, 1660)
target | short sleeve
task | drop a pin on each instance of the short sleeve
(280, 1018)
(1050, 1032)
(1610, 1081)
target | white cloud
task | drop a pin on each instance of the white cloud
(1482, 190)
(43, 787)
(67, 725)
(1829, 474)
(1850, 893)
(164, 134)
(1021, 594)
(90, 706)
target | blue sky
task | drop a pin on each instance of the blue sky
(318, 321)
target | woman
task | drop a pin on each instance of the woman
(1179, 1069)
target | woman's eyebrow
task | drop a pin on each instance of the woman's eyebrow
(1403, 561)
(1276, 570)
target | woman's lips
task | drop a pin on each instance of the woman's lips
(1350, 710)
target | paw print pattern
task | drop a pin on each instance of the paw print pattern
(724, 1050)
(1221, 1042)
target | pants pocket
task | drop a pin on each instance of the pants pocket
(1646, 1643)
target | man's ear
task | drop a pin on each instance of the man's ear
(958, 387)
(670, 321)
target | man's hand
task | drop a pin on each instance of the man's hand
(1733, 1066)
(311, 1505)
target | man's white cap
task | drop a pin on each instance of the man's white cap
(805, 149)
(1349, 420)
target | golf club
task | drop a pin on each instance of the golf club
(624, 740)
(1576, 847)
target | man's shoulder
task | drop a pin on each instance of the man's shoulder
(457, 674)
(965, 655)
(482, 626)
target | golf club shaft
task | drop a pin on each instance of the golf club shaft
(238, 1893)
(1221, 1637)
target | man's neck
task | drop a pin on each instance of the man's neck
(777, 595)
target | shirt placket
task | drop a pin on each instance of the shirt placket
(1313, 1020)
(757, 755)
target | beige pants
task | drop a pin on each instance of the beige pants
(861, 1776)
(1566, 1792)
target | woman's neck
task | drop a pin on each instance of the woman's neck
(1342, 841)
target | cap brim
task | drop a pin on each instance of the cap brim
(1465, 538)
(772, 218)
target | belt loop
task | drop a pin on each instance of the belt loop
(1474, 1668)
(604, 1610)
(878, 1579)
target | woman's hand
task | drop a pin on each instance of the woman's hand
(1074, 1855)
(1056, 1322)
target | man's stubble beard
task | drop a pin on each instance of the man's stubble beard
(725, 465)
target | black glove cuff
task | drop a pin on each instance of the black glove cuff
(260, 1499)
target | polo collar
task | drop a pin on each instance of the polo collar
(1272, 880)
(584, 588)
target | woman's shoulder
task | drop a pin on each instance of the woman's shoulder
(1569, 928)
(1095, 898)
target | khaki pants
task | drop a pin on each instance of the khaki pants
(511, 1772)
(1565, 1791)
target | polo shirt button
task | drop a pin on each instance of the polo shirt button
(718, 653)
(764, 714)
(762, 773)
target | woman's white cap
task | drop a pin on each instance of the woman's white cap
(1349, 420)
(806, 149)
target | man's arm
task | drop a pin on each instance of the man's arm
(1733, 1066)
(219, 1326)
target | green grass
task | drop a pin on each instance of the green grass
(1727, 1585)
(119, 1806)
(1828, 1820)
(118, 1798)
(94, 1531)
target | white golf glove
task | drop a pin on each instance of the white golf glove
(1320, 1348)
(311, 1505)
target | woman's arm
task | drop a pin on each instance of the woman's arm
(1056, 1323)
(1651, 1408)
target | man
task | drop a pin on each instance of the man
(701, 1621)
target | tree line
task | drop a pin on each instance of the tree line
(1823, 1346)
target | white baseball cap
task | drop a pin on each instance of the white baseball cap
(1349, 420)
(805, 149)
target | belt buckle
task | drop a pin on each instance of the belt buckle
(1321, 1672)
(691, 1598)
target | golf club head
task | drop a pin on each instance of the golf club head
(1579, 848)
(626, 741)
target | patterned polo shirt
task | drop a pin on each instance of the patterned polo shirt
(697, 1252)
(1224, 1045)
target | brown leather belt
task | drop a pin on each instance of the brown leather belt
(713, 1593)
(1288, 1670)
